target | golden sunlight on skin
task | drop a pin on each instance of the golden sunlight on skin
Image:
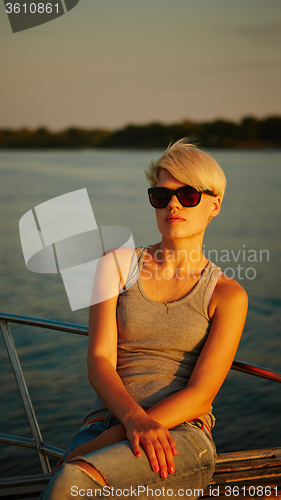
(90, 471)
(188, 224)
(182, 230)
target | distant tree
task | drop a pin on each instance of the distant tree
(270, 130)
(96, 136)
(249, 129)
(76, 138)
(40, 138)
(220, 133)
(6, 138)
(135, 136)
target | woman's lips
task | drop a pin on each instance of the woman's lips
(174, 218)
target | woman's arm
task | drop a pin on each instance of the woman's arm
(228, 310)
(137, 426)
(102, 360)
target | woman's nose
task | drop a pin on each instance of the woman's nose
(174, 202)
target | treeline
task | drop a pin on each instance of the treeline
(249, 133)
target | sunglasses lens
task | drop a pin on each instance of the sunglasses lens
(159, 198)
(188, 196)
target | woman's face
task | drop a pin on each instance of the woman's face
(176, 221)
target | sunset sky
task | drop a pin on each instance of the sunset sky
(107, 63)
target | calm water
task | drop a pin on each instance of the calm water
(246, 234)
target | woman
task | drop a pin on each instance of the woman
(159, 352)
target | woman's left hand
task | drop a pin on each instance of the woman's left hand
(156, 441)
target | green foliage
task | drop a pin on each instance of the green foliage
(249, 133)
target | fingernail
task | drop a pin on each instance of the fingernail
(138, 453)
(171, 470)
(164, 474)
(156, 468)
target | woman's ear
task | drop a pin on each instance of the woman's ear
(216, 207)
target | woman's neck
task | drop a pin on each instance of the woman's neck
(175, 254)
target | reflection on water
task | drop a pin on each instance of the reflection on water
(247, 408)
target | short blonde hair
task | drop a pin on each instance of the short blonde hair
(189, 165)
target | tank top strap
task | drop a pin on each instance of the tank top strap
(133, 274)
(214, 272)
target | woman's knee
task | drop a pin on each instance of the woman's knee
(69, 479)
(89, 470)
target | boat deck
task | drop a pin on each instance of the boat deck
(247, 474)
(243, 474)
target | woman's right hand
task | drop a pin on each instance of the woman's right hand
(156, 441)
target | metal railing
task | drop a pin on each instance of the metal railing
(37, 443)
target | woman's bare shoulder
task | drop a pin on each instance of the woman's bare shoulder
(227, 285)
(228, 293)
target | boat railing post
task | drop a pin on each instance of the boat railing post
(22, 387)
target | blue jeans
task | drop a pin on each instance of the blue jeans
(130, 477)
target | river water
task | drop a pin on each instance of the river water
(244, 241)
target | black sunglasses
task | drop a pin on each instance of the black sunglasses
(159, 197)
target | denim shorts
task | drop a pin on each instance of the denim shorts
(91, 431)
(128, 476)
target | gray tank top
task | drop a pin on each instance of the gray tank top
(158, 351)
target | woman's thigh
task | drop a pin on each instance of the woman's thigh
(129, 476)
